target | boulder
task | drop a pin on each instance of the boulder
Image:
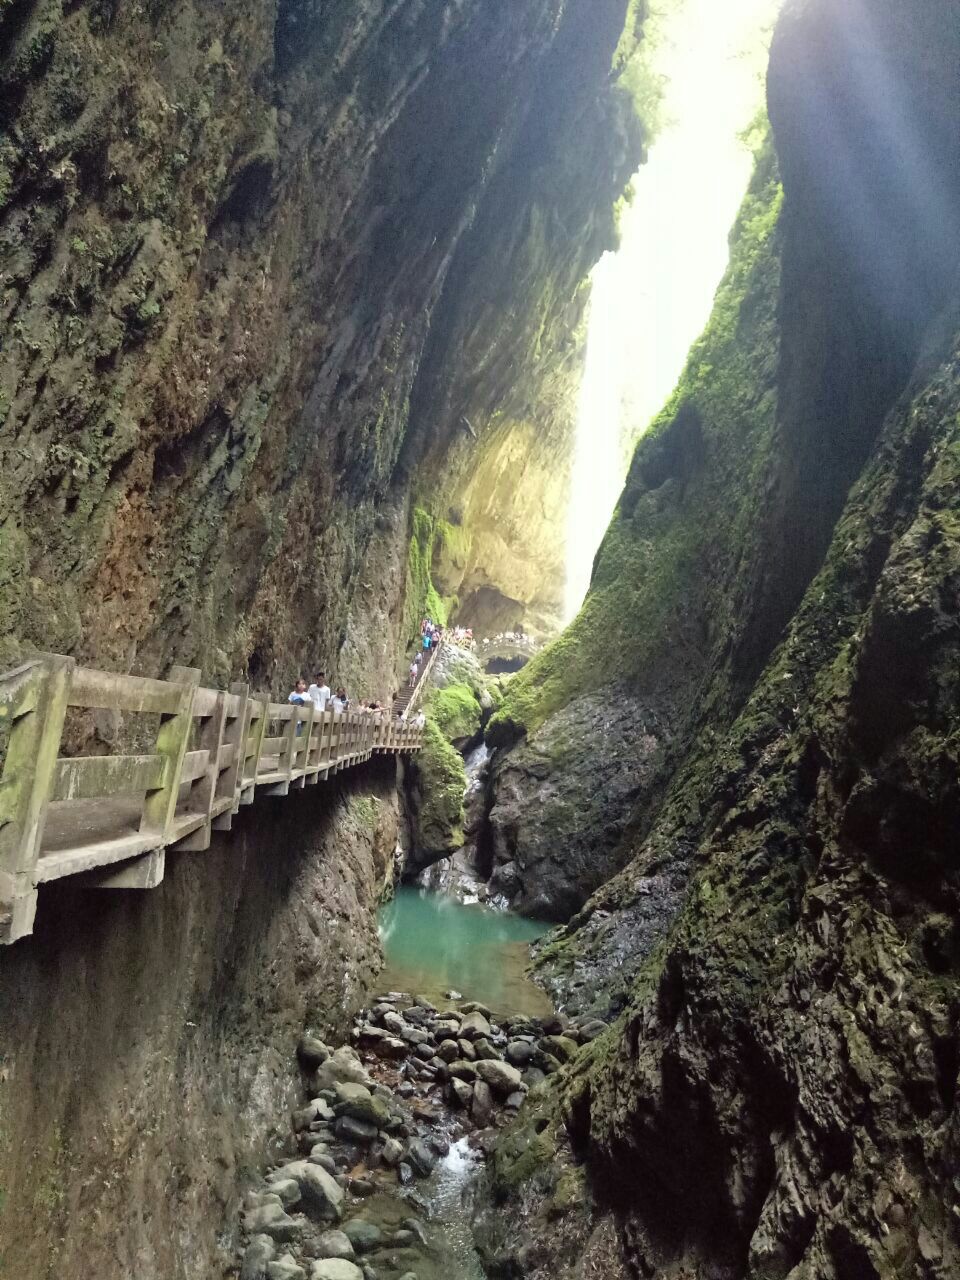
(463, 1070)
(364, 1236)
(321, 1193)
(560, 1047)
(420, 1158)
(287, 1190)
(312, 1052)
(484, 1049)
(515, 1101)
(460, 1093)
(466, 1050)
(590, 1030)
(308, 1115)
(474, 1006)
(285, 1268)
(500, 1076)
(366, 1107)
(392, 1152)
(258, 1254)
(335, 1269)
(271, 1219)
(474, 1026)
(448, 1050)
(350, 1129)
(343, 1066)
(334, 1244)
(519, 1052)
(391, 1047)
(482, 1105)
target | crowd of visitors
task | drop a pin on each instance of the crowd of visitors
(320, 695)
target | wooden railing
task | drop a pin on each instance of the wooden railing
(111, 818)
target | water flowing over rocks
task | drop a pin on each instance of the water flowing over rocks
(380, 1117)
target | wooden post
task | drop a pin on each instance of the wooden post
(302, 749)
(235, 734)
(248, 786)
(204, 790)
(33, 704)
(161, 805)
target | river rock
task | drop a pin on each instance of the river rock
(474, 1026)
(420, 1158)
(363, 1235)
(350, 1129)
(287, 1190)
(343, 1066)
(324, 1159)
(460, 1093)
(533, 1076)
(590, 1030)
(285, 1268)
(484, 1049)
(271, 1219)
(560, 1047)
(519, 1052)
(392, 1152)
(463, 1070)
(308, 1115)
(364, 1106)
(335, 1269)
(334, 1244)
(312, 1052)
(474, 1006)
(467, 1050)
(392, 1047)
(448, 1050)
(320, 1192)
(500, 1076)
(482, 1105)
(258, 1254)
(515, 1101)
(393, 1022)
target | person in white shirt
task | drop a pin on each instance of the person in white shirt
(299, 694)
(419, 720)
(319, 691)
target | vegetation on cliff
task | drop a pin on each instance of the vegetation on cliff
(684, 521)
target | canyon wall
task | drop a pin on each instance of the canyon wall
(147, 1040)
(237, 245)
(778, 951)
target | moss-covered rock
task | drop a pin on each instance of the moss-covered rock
(437, 782)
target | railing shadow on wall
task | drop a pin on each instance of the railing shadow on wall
(112, 817)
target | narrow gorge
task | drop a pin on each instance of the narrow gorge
(545, 936)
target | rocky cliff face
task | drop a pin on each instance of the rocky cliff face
(146, 1040)
(781, 1084)
(236, 246)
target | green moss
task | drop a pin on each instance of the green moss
(455, 710)
(678, 513)
(422, 600)
(442, 781)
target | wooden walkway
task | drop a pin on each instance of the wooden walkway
(111, 818)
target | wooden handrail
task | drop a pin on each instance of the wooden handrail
(112, 817)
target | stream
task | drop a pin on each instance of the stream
(434, 944)
(375, 1178)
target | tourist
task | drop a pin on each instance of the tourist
(299, 695)
(319, 691)
(427, 641)
(414, 671)
(419, 720)
(340, 702)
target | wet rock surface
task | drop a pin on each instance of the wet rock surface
(563, 800)
(352, 1193)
